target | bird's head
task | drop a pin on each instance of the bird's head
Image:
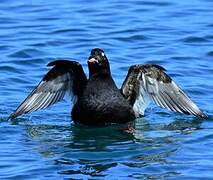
(98, 62)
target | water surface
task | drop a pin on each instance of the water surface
(47, 145)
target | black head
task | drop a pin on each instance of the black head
(98, 62)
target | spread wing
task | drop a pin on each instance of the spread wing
(65, 76)
(146, 83)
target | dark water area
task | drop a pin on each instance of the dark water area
(46, 144)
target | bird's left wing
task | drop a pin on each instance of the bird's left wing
(65, 76)
(146, 83)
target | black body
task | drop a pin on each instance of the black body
(102, 103)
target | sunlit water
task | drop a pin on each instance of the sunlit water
(47, 145)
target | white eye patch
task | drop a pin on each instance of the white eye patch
(102, 54)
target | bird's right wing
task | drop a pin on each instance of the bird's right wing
(146, 83)
(65, 76)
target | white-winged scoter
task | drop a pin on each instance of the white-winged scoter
(98, 101)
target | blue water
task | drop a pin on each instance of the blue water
(47, 145)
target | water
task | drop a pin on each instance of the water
(47, 145)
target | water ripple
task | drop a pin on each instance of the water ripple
(194, 39)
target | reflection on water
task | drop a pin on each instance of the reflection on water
(99, 152)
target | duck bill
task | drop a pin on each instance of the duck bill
(92, 60)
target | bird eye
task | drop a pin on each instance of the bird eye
(102, 54)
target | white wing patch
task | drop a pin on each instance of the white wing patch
(141, 102)
(166, 95)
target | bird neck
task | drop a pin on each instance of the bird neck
(103, 73)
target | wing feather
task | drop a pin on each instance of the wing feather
(155, 84)
(54, 86)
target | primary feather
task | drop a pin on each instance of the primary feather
(146, 83)
(53, 87)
